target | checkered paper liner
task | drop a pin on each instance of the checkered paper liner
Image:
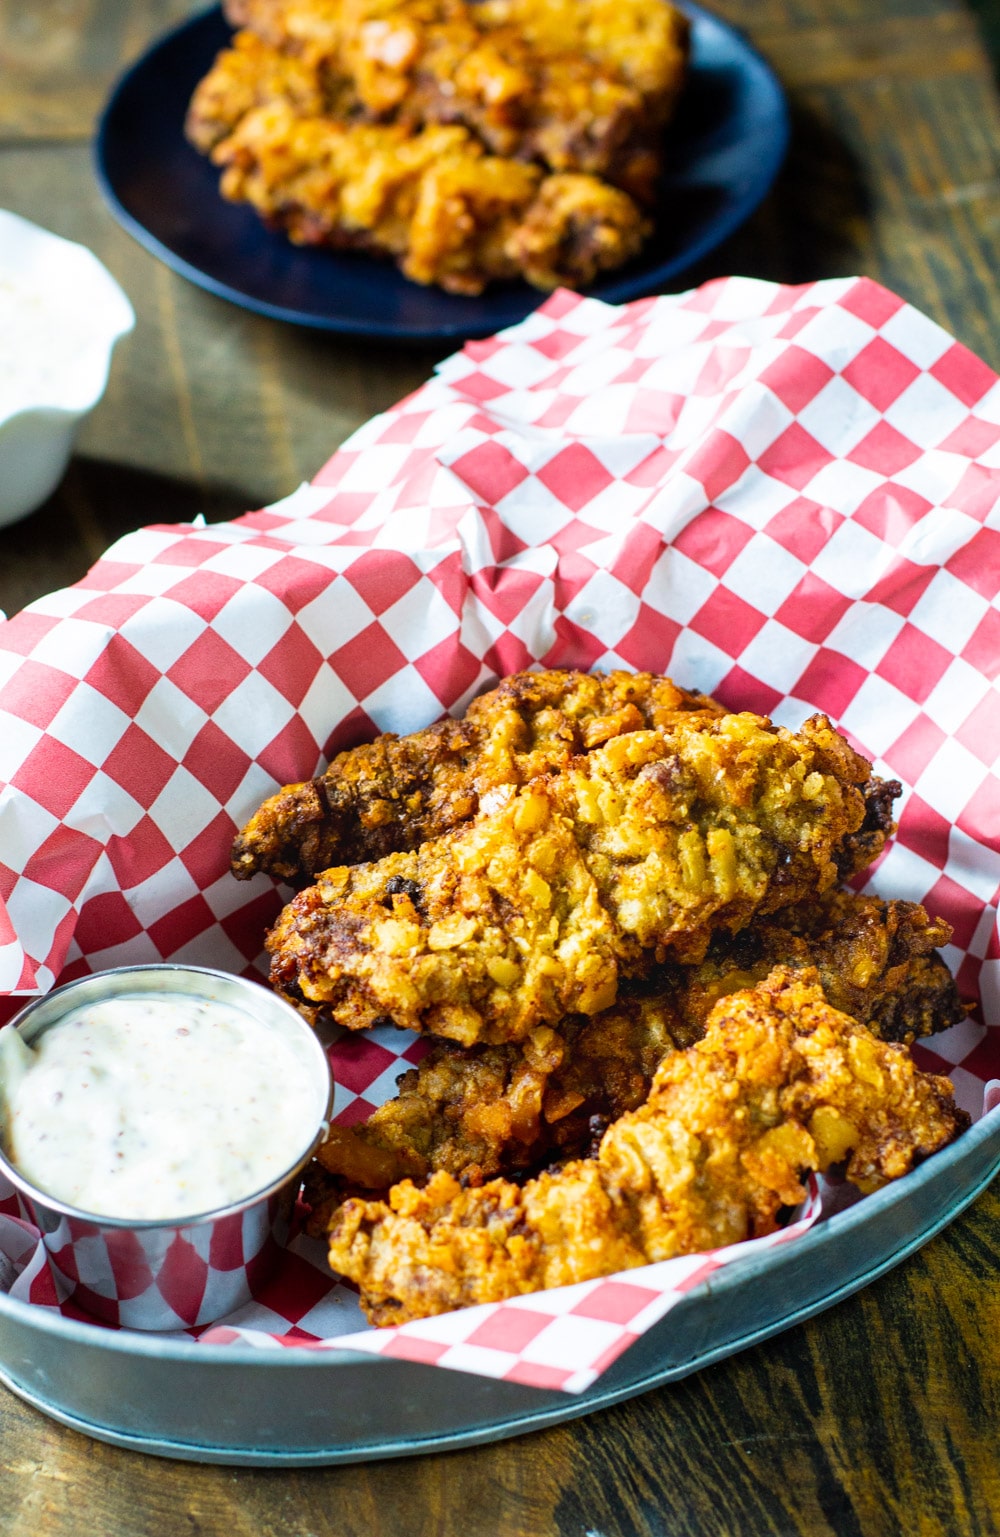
(200, 1270)
(788, 497)
(563, 1338)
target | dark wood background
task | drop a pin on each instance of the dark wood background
(881, 1416)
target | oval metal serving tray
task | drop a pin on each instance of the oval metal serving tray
(236, 1404)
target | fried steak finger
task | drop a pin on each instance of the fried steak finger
(877, 961)
(423, 62)
(781, 1084)
(250, 75)
(646, 43)
(397, 792)
(636, 852)
(477, 936)
(486, 1110)
(479, 1111)
(433, 199)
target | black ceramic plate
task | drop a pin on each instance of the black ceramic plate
(725, 148)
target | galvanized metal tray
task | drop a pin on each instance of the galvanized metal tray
(234, 1404)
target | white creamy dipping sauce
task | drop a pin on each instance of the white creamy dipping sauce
(47, 347)
(156, 1105)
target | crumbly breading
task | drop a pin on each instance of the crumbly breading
(248, 75)
(432, 199)
(397, 792)
(780, 1084)
(486, 1110)
(645, 41)
(698, 827)
(563, 94)
(480, 935)
(877, 961)
(448, 136)
(576, 226)
(635, 852)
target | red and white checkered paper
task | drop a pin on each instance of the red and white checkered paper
(788, 497)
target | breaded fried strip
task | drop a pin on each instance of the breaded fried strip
(397, 792)
(250, 74)
(637, 851)
(444, 61)
(877, 961)
(430, 198)
(481, 935)
(780, 1084)
(646, 41)
(700, 826)
(481, 1111)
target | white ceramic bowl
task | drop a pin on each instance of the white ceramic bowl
(41, 409)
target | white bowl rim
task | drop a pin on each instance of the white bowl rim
(19, 235)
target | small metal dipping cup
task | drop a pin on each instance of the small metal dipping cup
(174, 1273)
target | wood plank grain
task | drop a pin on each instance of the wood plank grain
(58, 60)
(874, 48)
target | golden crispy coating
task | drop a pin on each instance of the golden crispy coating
(564, 233)
(249, 75)
(645, 41)
(576, 225)
(549, 97)
(462, 142)
(480, 935)
(485, 1110)
(397, 792)
(877, 961)
(636, 851)
(432, 199)
(713, 819)
(780, 1084)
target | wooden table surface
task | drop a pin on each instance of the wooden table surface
(881, 1416)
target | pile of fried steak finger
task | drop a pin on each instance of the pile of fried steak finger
(617, 910)
(470, 140)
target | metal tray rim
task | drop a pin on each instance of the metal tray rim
(134, 1343)
(521, 1423)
